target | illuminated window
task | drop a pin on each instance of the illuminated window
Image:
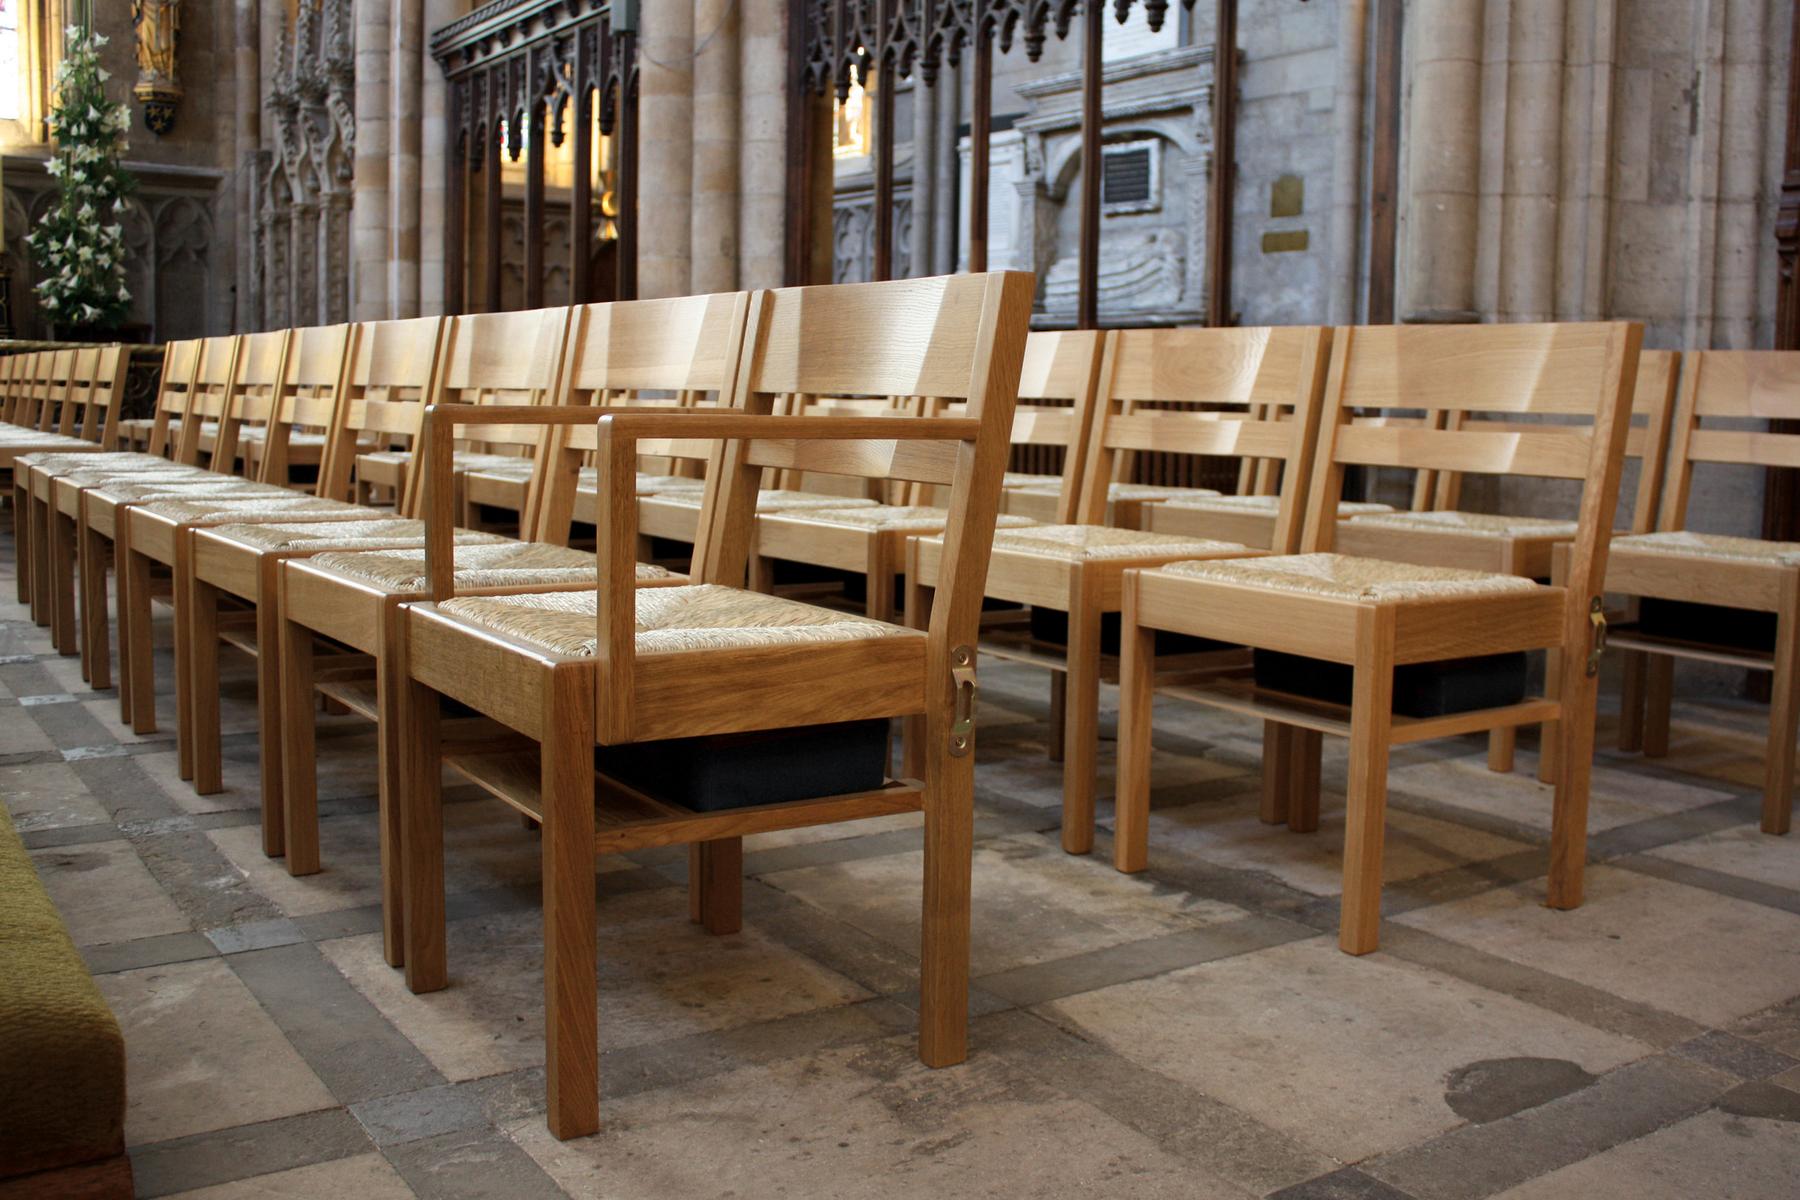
(12, 69)
(850, 131)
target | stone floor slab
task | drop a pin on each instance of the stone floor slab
(106, 894)
(48, 796)
(1715, 1155)
(364, 1177)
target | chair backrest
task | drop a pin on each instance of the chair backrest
(1579, 376)
(671, 353)
(1647, 440)
(250, 401)
(20, 410)
(386, 378)
(173, 388)
(209, 397)
(1725, 398)
(49, 389)
(10, 367)
(958, 337)
(311, 381)
(96, 386)
(1262, 386)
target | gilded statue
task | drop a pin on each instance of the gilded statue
(158, 89)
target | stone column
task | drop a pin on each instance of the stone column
(1528, 213)
(434, 145)
(247, 66)
(947, 214)
(1584, 215)
(713, 236)
(762, 145)
(1443, 164)
(406, 118)
(924, 177)
(369, 198)
(1744, 110)
(1347, 161)
(665, 149)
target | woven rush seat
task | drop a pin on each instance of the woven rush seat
(1343, 577)
(670, 620)
(384, 534)
(200, 508)
(1492, 525)
(14, 435)
(1682, 544)
(195, 485)
(1268, 504)
(478, 565)
(909, 517)
(1080, 543)
(1027, 479)
(296, 438)
(51, 460)
(778, 500)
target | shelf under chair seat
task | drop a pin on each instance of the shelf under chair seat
(1682, 544)
(1492, 525)
(492, 564)
(1268, 505)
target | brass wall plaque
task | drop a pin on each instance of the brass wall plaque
(1281, 241)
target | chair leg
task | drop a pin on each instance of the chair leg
(716, 885)
(1059, 708)
(1308, 749)
(1277, 761)
(202, 620)
(1365, 817)
(1574, 773)
(40, 562)
(1659, 688)
(297, 813)
(392, 670)
(1549, 735)
(571, 1033)
(181, 579)
(1501, 745)
(135, 638)
(62, 584)
(1632, 699)
(1784, 717)
(1081, 724)
(271, 772)
(1137, 696)
(96, 635)
(949, 849)
(421, 805)
(21, 540)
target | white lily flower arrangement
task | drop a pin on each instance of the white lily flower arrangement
(79, 251)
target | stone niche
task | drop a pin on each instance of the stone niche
(1157, 153)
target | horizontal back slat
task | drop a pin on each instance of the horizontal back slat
(1744, 447)
(1226, 366)
(259, 358)
(816, 339)
(1478, 368)
(1201, 433)
(1058, 365)
(317, 355)
(678, 344)
(395, 353)
(1747, 383)
(915, 461)
(1035, 425)
(1555, 453)
(505, 351)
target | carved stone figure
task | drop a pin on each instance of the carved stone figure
(158, 88)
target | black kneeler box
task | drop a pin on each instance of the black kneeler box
(766, 766)
(1429, 689)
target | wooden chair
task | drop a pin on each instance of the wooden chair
(88, 424)
(477, 357)
(870, 540)
(294, 431)
(381, 400)
(355, 599)
(606, 669)
(1074, 570)
(1704, 596)
(1379, 617)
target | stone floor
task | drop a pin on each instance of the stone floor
(1192, 1032)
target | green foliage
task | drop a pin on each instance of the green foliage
(79, 246)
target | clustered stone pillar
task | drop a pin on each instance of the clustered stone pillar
(247, 62)
(762, 146)
(666, 138)
(1443, 161)
(713, 229)
(405, 112)
(434, 119)
(369, 202)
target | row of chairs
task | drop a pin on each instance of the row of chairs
(912, 392)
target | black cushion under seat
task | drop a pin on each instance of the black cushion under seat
(766, 766)
(1051, 625)
(1707, 624)
(1430, 689)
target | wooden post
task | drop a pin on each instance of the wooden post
(981, 125)
(490, 215)
(456, 233)
(627, 186)
(1093, 83)
(1781, 495)
(797, 246)
(1224, 164)
(534, 205)
(581, 191)
(884, 169)
(1384, 163)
